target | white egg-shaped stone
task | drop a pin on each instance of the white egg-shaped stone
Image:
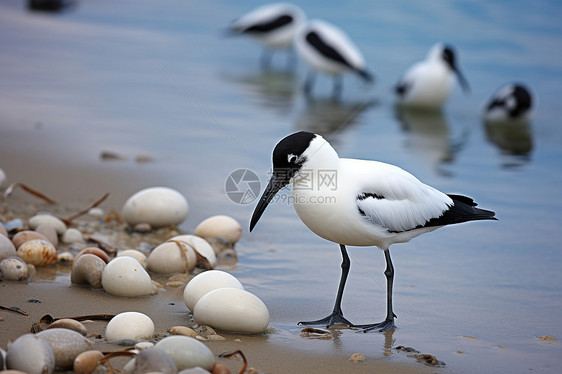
(125, 276)
(47, 219)
(87, 362)
(7, 248)
(199, 245)
(88, 269)
(219, 227)
(129, 326)
(172, 256)
(14, 269)
(157, 206)
(137, 255)
(205, 282)
(71, 236)
(187, 352)
(154, 360)
(31, 354)
(66, 345)
(233, 310)
(38, 252)
(49, 232)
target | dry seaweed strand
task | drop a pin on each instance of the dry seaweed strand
(27, 189)
(14, 309)
(109, 249)
(230, 354)
(202, 259)
(105, 359)
(48, 319)
(69, 220)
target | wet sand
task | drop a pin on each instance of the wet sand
(49, 291)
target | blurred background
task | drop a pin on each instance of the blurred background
(158, 82)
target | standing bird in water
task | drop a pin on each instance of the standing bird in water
(428, 83)
(274, 25)
(512, 102)
(327, 49)
(368, 203)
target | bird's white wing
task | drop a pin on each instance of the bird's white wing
(398, 201)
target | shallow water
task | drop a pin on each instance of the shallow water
(140, 78)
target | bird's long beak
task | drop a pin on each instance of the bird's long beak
(275, 184)
(462, 81)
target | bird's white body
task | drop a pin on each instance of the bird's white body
(334, 38)
(327, 191)
(429, 82)
(280, 37)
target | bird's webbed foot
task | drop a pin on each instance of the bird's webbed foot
(336, 318)
(383, 326)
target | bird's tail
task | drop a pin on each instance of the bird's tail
(366, 75)
(465, 209)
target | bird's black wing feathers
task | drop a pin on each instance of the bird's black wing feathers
(275, 23)
(463, 210)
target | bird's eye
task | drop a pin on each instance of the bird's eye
(292, 158)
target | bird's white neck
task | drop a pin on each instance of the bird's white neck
(319, 156)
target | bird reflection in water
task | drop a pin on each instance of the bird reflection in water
(329, 116)
(270, 88)
(514, 139)
(429, 136)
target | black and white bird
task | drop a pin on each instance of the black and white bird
(273, 25)
(512, 101)
(428, 83)
(327, 49)
(368, 203)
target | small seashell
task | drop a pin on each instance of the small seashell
(88, 269)
(66, 345)
(71, 236)
(142, 227)
(65, 258)
(129, 326)
(87, 362)
(199, 245)
(31, 354)
(182, 330)
(137, 255)
(157, 206)
(187, 352)
(143, 345)
(232, 309)
(14, 269)
(125, 276)
(221, 369)
(37, 252)
(49, 232)
(94, 251)
(71, 324)
(154, 360)
(27, 235)
(48, 219)
(205, 282)
(7, 249)
(171, 257)
(219, 227)
(96, 212)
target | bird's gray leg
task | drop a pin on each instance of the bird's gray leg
(388, 323)
(311, 76)
(266, 59)
(338, 84)
(291, 59)
(337, 315)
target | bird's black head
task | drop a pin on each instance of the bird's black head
(288, 159)
(449, 56)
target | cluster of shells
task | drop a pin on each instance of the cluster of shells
(215, 298)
